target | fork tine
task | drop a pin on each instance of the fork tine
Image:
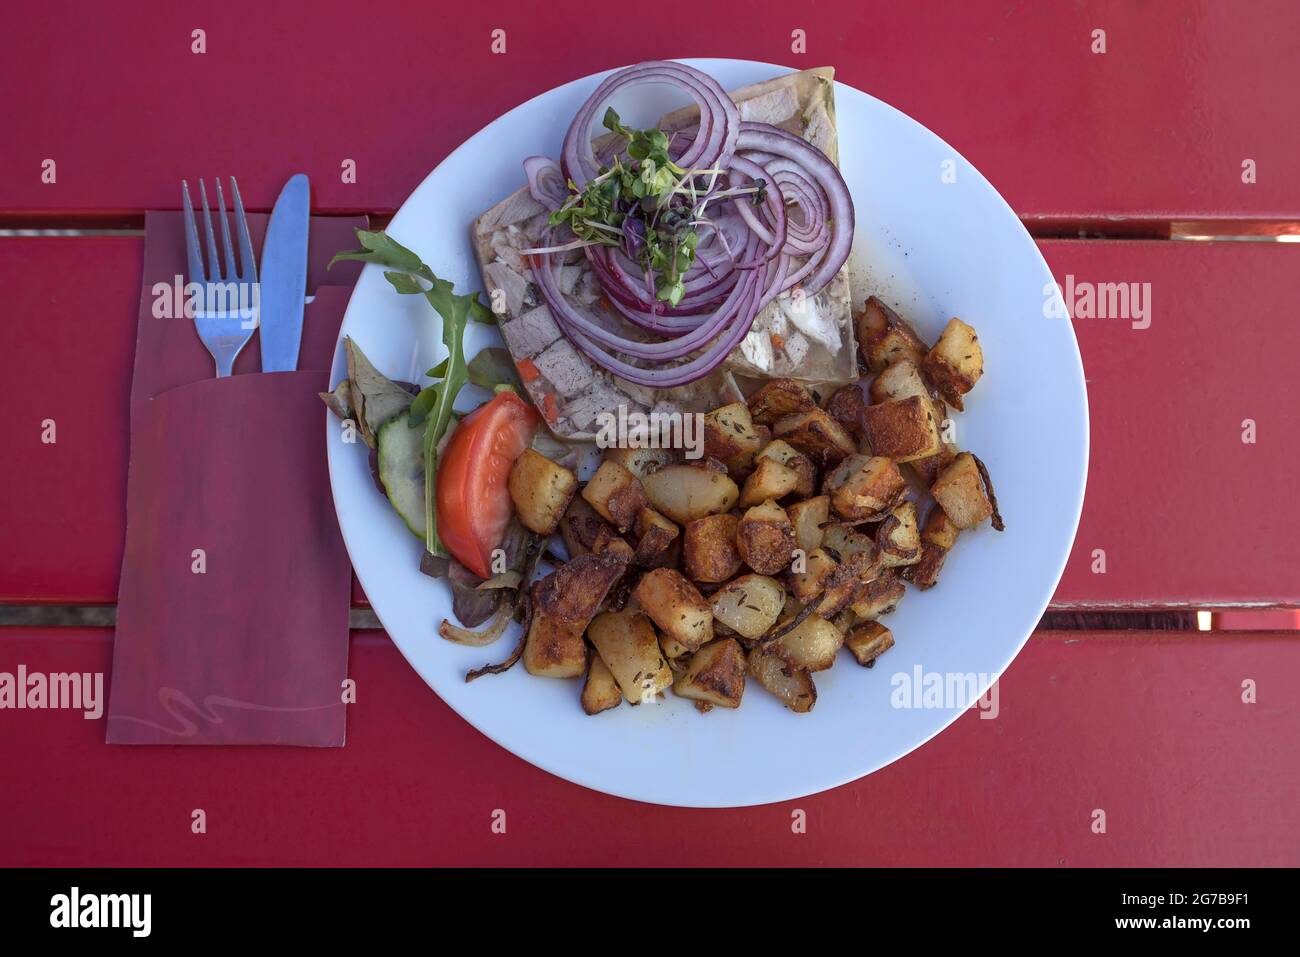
(214, 263)
(248, 272)
(192, 253)
(226, 247)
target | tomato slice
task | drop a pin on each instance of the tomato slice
(472, 496)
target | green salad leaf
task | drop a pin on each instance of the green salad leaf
(494, 368)
(432, 408)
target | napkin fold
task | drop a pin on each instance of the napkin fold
(232, 622)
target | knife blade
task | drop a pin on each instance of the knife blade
(284, 276)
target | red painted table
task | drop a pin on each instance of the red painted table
(1185, 125)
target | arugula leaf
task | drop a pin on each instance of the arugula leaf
(379, 247)
(405, 283)
(432, 408)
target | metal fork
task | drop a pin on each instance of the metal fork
(227, 316)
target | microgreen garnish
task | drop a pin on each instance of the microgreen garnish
(649, 206)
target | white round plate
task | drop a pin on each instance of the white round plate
(934, 246)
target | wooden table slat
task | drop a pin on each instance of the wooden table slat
(1150, 729)
(1156, 128)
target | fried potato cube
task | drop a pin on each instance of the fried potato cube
(901, 380)
(902, 429)
(765, 538)
(709, 548)
(785, 453)
(575, 590)
(610, 545)
(640, 462)
(863, 486)
(928, 468)
(609, 542)
(749, 605)
(554, 647)
(811, 582)
(676, 606)
(626, 642)
(715, 674)
(865, 565)
(811, 646)
(816, 435)
(616, 494)
(672, 649)
(879, 596)
(541, 491)
(939, 529)
(848, 543)
(955, 363)
(960, 490)
(899, 536)
(655, 537)
(580, 526)
(938, 535)
(825, 581)
(770, 479)
(687, 492)
(925, 573)
(884, 338)
(845, 406)
(777, 398)
(792, 686)
(808, 517)
(600, 691)
(729, 436)
(844, 583)
(869, 641)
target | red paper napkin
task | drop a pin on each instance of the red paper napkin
(232, 620)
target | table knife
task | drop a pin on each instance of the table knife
(284, 276)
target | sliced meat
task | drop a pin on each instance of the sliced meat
(530, 333)
(567, 370)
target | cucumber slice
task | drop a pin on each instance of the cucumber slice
(401, 469)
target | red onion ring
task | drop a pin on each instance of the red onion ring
(577, 325)
(639, 304)
(775, 238)
(762, 136)
(546, 182)
(745, 253)
(711, 146)
(697, 368)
